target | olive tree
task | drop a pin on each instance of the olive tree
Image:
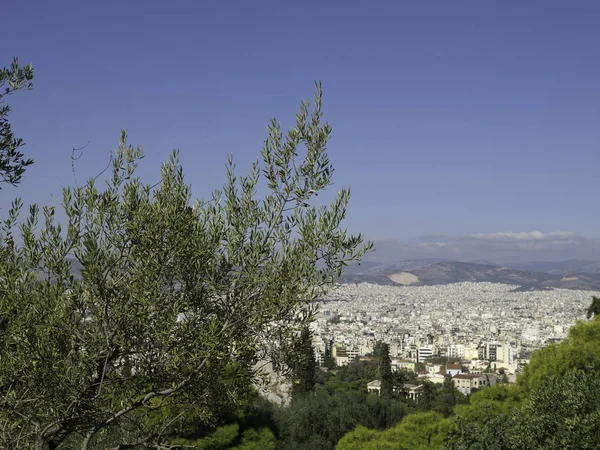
(12, 161)
(177, 302)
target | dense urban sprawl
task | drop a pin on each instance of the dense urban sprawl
(476, 323)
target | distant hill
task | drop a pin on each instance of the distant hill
(485, 262)
(559, 267)
(542, 275)
(377, 268)
(446, 272)
(453, 272)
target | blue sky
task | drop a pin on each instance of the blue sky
(449, 117)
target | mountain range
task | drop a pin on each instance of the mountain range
(571, 274)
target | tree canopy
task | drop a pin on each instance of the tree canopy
(419, 431)
(563, 412)
(178, 303)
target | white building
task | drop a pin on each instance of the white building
(467, 382)
(424, 353)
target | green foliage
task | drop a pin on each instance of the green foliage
(485, 421)
(555, 406)
(222, 438)
(317, 422)
(329, 362)
(300, 357)
(498, 399)
(429, 395)
(419, 431)
(12, 162)
(177, 302)
(323, 375)
(563, 412)
(361, 438)
(334, 384)
(384, 369)
(580, 350)
(262, 439)
(443, 399)
(358, 370)
(594, 308)
(230, 437)
(489, 433)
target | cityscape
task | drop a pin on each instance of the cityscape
(476, 323)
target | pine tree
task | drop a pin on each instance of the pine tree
(594, 308)
(382, 353)
(304, 363)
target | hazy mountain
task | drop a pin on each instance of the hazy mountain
(452, 272)
(446, 272)
(432, 271)
(378, 268)
(485, 262)
(558, 267)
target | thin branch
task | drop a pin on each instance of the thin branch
(110, 159)
(75, 158)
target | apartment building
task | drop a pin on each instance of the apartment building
(467, 382)
(424, 353)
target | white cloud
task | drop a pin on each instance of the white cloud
(500, 246)
(525, 236)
